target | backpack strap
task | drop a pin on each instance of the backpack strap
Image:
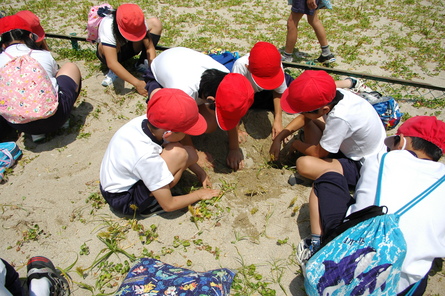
(411, 203)
(11, 57)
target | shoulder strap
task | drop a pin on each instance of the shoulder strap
(411, 203)
(11, 57)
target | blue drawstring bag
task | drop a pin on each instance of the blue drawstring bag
(366, 259)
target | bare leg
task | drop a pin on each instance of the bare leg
(71, 70)
(178, 159)
(317, 25)
(154, 25)
(314, 214)
(313, 167)
(292, 31)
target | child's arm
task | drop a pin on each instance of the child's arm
(113, 64)
(278, 115)
(235, 157)
(297, 123)
(201, 174)
(149, 48)
(171, 203)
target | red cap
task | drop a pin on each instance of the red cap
(173, 109)
(428, 128)
(265, 65)
(308, 92)
(34, 22)
(13, 22)
(131, 22)
(233, 99)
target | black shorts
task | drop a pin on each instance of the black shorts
(67, 96)
(300, 6)
(138, 197)
(334, 199)
(127, 51)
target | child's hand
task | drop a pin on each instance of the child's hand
(274, 150)
(140, 88)
(235, 159)
(208, 193)
(205, 180)
(311, 4)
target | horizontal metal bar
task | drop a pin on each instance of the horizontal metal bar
(305, 67)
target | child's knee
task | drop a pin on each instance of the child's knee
(303, 165)
(154, 25)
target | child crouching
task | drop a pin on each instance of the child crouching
(144, 159)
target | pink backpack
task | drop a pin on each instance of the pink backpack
(95, 16)
(26, 91)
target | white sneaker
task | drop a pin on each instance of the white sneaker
(109, 78)
(359, 85)
(287, 58)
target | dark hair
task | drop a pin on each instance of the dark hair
(431, 150)
(338, 97)
(18, 35)
(210, 80)
(120, 40)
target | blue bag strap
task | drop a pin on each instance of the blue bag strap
(419, 197)
(379, 181)
(411, 203)
(413, 289)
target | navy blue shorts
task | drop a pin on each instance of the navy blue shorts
(334, 199)
(137, 195)
(300, 6)
(351, 170)
(67, 96)
(127, 52)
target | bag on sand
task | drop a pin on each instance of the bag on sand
(95, 16)
(365, 259)
(153, 277)
(9, 153)
(386, 106)
(224, 57)
(26, 91)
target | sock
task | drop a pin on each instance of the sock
(287, 54)
(40, 287)
(325, 51)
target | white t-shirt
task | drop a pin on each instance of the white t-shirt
(423, 226)
(354, 128)
(105, 32)
(182, 68)
(240, 67)
(44, 58)
(132, 156)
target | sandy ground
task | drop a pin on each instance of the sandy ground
(51, 205)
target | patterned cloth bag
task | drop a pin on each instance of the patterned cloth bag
(95, 16)
(365, 259)
(26, 91)
(9, 153)
(153, 277)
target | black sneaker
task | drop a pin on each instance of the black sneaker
(40, 267)
(325, 59)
